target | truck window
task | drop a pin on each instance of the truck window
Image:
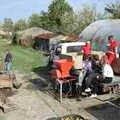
(58, 50)
(74, 49)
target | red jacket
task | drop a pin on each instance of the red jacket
(86, 49)
(112, 45)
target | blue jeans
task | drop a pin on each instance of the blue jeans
(8, 67)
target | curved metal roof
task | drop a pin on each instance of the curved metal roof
(99, 31)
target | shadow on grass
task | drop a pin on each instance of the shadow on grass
(104, 111)
(68, 117)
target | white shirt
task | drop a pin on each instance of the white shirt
(107, 71)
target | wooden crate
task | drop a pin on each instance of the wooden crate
(5, 81)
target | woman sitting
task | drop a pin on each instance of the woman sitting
(95, 79)
(107, 70)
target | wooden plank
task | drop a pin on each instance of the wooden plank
(116, 66)
(5, 81)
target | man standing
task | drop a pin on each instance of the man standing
(8, 61)
(112, 49)
(86, 49)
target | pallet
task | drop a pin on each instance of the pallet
(5, 81)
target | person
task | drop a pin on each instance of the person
(86, 49)
(107, 71)
(112, 49)
(51, 56)
(93, 77)
(96, 79)
(96, 65)
(8, 61)
(87, 69)
(91, 84)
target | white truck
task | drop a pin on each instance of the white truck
(73, 49)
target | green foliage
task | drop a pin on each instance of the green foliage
(113, 10)
(20, 25)
(60, 18)
(56, 10)
(34, 20)
(24, 59)
(74, 23)
(39, 20)
(87, 16)
(45, 21)
(8, 25)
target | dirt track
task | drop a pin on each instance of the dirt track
(34, 102)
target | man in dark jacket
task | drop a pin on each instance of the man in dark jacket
(8, 61)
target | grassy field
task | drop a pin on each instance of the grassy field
(24, 59)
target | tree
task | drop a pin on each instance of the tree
(34, 20)
(101, 16)
(74, 23)
(8, 25)
(20, 25)
(45, 22)
(38, 20)
(55, 12)
(113, 10)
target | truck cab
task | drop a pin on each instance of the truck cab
(73, 49)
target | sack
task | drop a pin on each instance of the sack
(16, 84)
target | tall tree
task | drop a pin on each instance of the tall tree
(8, 24)
(55, 12)
(20, 25)
(34, 20)
(113, 10)
(74, 23)
(45, 22)
(39, 20)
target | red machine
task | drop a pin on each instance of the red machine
(61, 74)
(63, 67)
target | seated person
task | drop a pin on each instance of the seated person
(95, 75)
(87, 65)
(95, 79)
(87, 69)
(107, 71)
(92, 85)
(96, 65)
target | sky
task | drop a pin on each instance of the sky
(17, 9)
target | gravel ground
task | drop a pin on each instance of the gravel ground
(34, 102)
(31, 103)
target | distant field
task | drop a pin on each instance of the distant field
(24, 59)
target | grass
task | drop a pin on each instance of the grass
(24, 59)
